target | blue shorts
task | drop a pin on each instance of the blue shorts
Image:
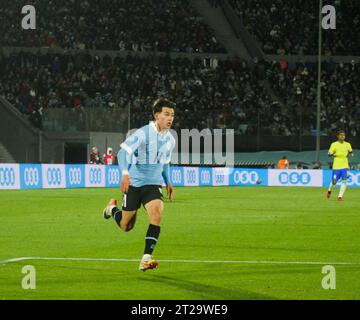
(340, 174)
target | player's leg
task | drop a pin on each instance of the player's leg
(343, 185)
(126, 217)
(333, 182)
(155, 210)
(153, 203)
(127, 221)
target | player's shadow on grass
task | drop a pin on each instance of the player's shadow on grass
(204, 291)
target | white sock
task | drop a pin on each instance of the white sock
(331, 186)
(342, 189)
(146, 257)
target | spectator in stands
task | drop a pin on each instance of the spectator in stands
(109, 158)
(95, 156)
(317, 165)
(283, 163)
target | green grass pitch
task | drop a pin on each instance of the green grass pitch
(223, 224)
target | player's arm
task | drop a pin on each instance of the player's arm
(331, 151)
(166, 169)
(124, 165)
(128, 147)
(169, 187)
(351, 154)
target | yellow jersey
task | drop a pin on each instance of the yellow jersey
(340, 151)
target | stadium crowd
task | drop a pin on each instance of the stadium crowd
(230, 89)
(143, 25)
(296, 84)
(209, 93)
(290, 27)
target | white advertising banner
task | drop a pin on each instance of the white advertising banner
(295, 178)
(53, 176)
(95, 176)
(9, 176)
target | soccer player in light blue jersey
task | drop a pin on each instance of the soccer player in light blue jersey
(144, 160)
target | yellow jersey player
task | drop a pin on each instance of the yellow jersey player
(340, 150)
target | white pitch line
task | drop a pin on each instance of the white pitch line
(269, 262)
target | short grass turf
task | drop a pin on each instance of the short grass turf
(222, 223)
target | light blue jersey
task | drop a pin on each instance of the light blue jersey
(147, 152)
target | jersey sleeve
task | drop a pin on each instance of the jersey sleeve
(350, 148)
(332, 149)
(165, 152)
(133, 142)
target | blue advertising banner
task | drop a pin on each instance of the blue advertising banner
(177, 176)
(113, 176)
(38, 176)
(205, 177)
(75, 176)
(31, 176)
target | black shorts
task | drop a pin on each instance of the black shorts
(136, 196)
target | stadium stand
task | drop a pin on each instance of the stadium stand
(290, 27)
(69, 87)
(296, 84)
(230, 89)
(144, 25)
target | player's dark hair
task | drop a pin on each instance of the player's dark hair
(340, 132)
(161, 103)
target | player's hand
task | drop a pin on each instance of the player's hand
(170, 191)
(125, 183)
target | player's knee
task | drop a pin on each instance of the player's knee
(156, 217)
